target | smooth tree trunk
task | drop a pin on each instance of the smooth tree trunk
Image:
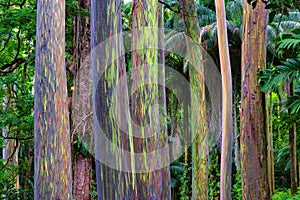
(52, 161)
(272, 190)
(226, 152)
(269, 111)
(253, 125)
(198, 109)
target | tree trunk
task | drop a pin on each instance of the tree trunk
(226, 152)
(253, 125)
(272, 147)
(53, 178)
(293, 147)
(82, 177)
(152, 182)
(269, 111)
(108, 66)
(82, 118)
(198, 122)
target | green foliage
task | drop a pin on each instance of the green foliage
(285, 195)
(214, 173)
(237, 186)
(185, 184)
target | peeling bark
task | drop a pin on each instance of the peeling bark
(253, 125)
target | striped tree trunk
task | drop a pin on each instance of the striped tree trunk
(52, 162)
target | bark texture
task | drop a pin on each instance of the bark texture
(153, 183)
(82, 118)
(253, 125)
(53, 179)
(198, 111)
(105, 23)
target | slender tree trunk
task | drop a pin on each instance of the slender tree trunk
(272, 146)
(236, 137)
(226, 152)
(253, 125)
(53, 178)
(269, 109)
(198, 123)
(293, 147)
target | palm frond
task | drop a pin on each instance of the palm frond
(205, 16)
(235, 11)
(272, 78)
(292, 16)
(293, 103)
(289, 43)
(174, 39)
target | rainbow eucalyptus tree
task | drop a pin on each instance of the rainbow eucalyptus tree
(198, 123)
(253, 124)
(226, 153)
(52, 162)
(108, 66)
(153, 181)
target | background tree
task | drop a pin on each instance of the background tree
(81, 110)
(53, 179)
(198, 123)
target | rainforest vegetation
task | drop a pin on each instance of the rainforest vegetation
(150, 99)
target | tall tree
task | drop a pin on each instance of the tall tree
(226, 152)
(108, 63)
(152, 183)
(293, 144)
(270, 151)
(82, 118)
(52, 151)
(198, 124)
(253, 124)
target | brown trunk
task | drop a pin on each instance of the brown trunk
(28, 172)
(82, 121)
(82, 177)
(253, 125)
(293, 147)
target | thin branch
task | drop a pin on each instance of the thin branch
(10, 156)
(16, 138)
(176, 11)
(168, 6)
(10, 67)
